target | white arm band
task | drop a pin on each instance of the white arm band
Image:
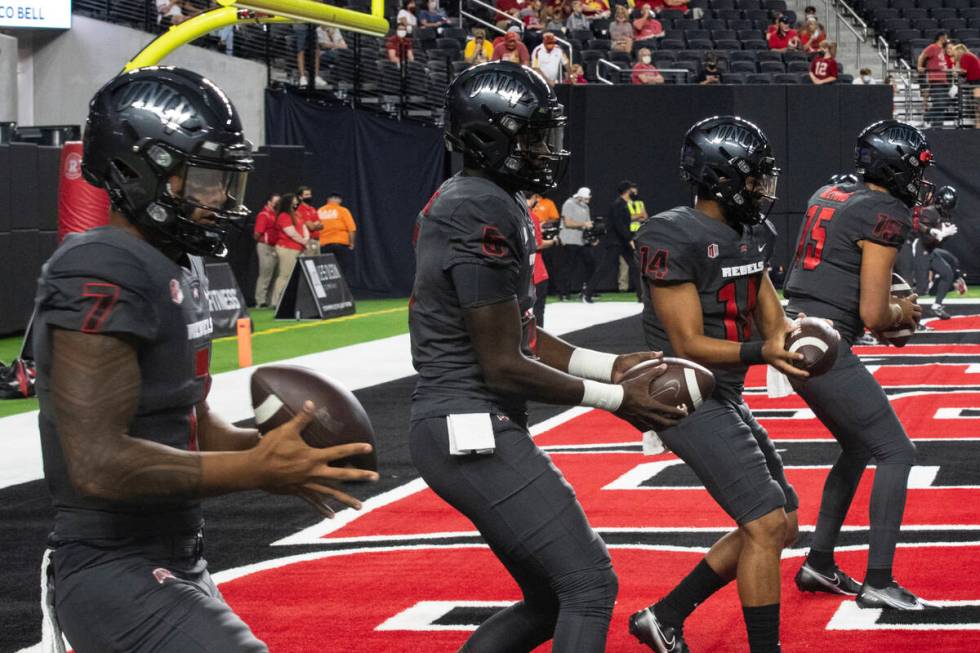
(606, 396)
(590, 364)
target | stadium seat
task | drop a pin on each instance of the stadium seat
(775, 5)
(714, 24)
(666, 55)
(769, 55)
(759, 78)
(795, 55)
(740, 24)
(729, 14)
(786, 78)
(958, 4)
(697, 34)
(724, 34)
(454, 33)
(797, 67)
(583, 35)
(685, 24)
(443, 43)
(772, 67)
(699, 44)
(758, 16)
(733, 78)
(845, 79)
(742, 55)
(970, 34)
(747, 67)
(599, 44)
(672, 44)
(942, 13)
(728, 44)
(755, 45)
(952, 24)
(622, 59)
(671, 14)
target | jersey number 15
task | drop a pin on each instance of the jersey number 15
(809, 251)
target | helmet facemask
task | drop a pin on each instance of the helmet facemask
(748, 192)
(537, 158)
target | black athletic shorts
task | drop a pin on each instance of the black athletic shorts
(733, 457)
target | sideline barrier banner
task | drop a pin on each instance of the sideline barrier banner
(225, 299)
(316, 291)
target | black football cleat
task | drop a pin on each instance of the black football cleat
(663, 639)
(939, 311)
(809, 579)
(893, 597)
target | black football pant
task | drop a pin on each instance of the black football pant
(345, 258)
(155, 596)
(531, 520)
(541, 297)
(945, 270)
(577, 266)
(851, 403)
(607, 266)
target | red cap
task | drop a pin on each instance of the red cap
(511, 36)
(549, 38)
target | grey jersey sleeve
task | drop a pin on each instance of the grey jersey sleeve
(881, 221)
(485, 251)
(98, 288)
(664, 251)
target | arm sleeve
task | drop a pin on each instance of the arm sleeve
(98, 288)
(884, 223)
(664, 252)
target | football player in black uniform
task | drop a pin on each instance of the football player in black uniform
(123, 340)
(706, 284)
(935, 224)
(480, 357)
(842, 271)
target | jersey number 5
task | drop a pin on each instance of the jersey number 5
(814, 236)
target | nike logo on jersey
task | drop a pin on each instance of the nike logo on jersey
(762, 247)
(743, 270)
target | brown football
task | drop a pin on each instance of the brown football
(684, 383)
(817, 341)
(278, 393)
(898, 336)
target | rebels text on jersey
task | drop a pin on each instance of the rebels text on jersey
(470, 221)
(825, 277)
(109, 282)
(683, 245)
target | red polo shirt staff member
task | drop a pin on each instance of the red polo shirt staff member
(293, 238)
(266, 236)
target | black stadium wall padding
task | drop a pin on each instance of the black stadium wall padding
(386, 171)
(24, 186)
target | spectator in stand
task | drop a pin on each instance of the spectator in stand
(865, 77)
(783, 37)
(330, 40)
(407, 16)
(531, 18)
(616, 242)
(577, 19)
(709, 73)
(621, 30)
(552, 19)
(433, 15)
(399, 45)
(338, 232)
(508, 6)
(550, 60)
(478, 49)
(577, 75)
(307, 214)
(644, 72)
(969, 66)
(948, 54)
(169, 12)
(290, 244)
(932, 61)
(265, 247)
(304, 35)
(512, 50)
(812, 34)
(595, 9)
(540, 274)
(823, 67)
(576, 260)
(680, 5)
(646, 27)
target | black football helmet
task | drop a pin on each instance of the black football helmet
(719, 156)
(506, 120)
(945, 201)
(895, 155)
(166, 143)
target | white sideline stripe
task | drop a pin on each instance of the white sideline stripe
(356, 367)
(952, 413)
(420, 617)
(850, 616)
(268, 408)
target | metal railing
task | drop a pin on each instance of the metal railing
(846, 17)
(884, 53)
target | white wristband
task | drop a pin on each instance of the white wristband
(591, 364)
(606, 396)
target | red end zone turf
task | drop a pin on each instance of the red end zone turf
(410, 575)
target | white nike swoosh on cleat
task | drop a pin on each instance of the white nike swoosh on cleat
(668, 644)
(895, 603)
(833, 583)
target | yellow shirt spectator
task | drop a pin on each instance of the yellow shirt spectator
(338, 224)
(470, 51)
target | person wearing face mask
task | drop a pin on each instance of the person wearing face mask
(399, 45)
(308, 215)
(478, 49)
(578, 20)
(433, 15)
(512, 50)
(406, 16)
(616, 242)
(865, 77)
(824, 68)
(550, 60)
(812, 34)
(644, 72)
